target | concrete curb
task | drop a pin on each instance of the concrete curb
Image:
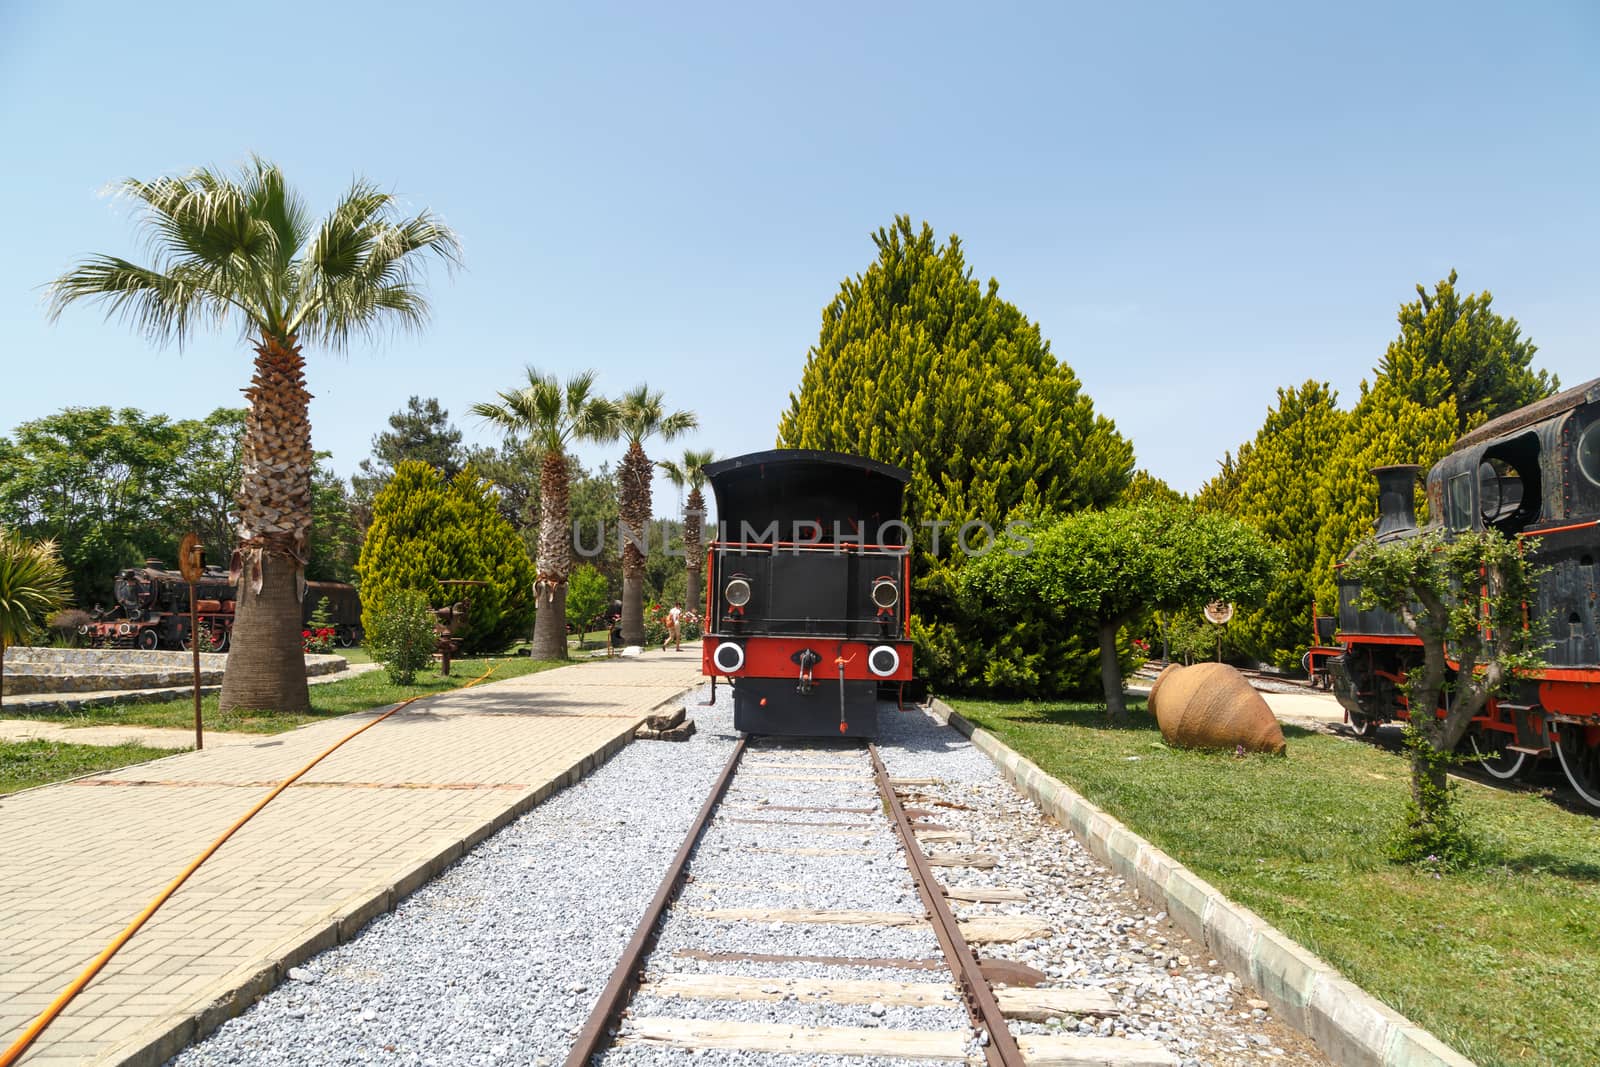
(245, 985)
(1346, 1022)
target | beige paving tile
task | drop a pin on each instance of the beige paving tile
(83, 858)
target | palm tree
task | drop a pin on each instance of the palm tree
(552, 417)
(692, 473)
(641, 416)
(33, 583)
(244, 245)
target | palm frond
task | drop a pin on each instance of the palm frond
(162, 306)
(643, 415)
(361, 270)
(675, 474)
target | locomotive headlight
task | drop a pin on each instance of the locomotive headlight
(883, 660)
(737, 592)
(728, 657)
(885, 593)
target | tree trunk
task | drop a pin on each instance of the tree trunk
(550, 623)
(266, 668)
(694, 523)
(1111, 674)
(1429, 780)
(266, 638)
(555, 560)
(634, 475)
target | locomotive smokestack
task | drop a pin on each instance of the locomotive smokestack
(1397, 512)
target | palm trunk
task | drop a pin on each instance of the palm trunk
(635, 475)
(694, 521)
(1111, 674)
(2, 673)
(266, 668)
(555, 560)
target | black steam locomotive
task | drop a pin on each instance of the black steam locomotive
(1531, 474)
(152, 610)
(806, 590)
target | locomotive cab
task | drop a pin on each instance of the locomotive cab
(807, 590)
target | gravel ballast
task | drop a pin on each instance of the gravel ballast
(1102, 934)
(499, 959)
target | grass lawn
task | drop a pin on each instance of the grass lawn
(24, 764)
(370, 690)
(1501, 962)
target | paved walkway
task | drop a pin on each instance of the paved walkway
(367, 826)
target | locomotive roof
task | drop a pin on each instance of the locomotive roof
(806, 455)
(1536, 412)
(792, 485)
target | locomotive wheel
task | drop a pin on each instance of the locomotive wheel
(148, 640)
(221, 639)
(344, 637)
(1580, 762)
(1363, 725)
(1493, 757)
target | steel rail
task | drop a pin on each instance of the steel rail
(1001, 1049)
(625, 976)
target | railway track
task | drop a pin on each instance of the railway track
(888, 983)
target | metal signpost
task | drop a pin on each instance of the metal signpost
(191, 559)
(1219, 612)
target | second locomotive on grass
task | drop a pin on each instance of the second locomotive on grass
(806, 592)
(1533, 475)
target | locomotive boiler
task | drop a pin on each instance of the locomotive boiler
(806, 593)
(1534, 475)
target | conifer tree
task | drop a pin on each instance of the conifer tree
(425, 531)
(1387, 426)
(1275, 485)
(1484, 355)
(919, 365)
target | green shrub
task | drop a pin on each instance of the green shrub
(425, 531)
(401, 635)
(587, 596)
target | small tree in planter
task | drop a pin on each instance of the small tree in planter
(1463, 595)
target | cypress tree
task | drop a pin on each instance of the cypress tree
(919, 365)
(1486, 358)
(426, 530)
(1387, 426)
(1275, 486)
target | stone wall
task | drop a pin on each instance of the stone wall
(96, 670)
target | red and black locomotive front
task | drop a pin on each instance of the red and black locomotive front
(806, 590)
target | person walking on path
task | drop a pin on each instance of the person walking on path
(674, 621)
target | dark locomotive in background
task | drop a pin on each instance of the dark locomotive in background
(806, 590)
(1531, 474)
(152, 610)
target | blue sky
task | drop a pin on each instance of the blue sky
(1197, 203)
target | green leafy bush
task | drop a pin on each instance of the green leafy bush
(587, 596)
(425, 531)
(401, 634)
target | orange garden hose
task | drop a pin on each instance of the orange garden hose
(46, 1017)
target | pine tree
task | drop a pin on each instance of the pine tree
(919, 365)
(1275, 485)
(425, 531)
